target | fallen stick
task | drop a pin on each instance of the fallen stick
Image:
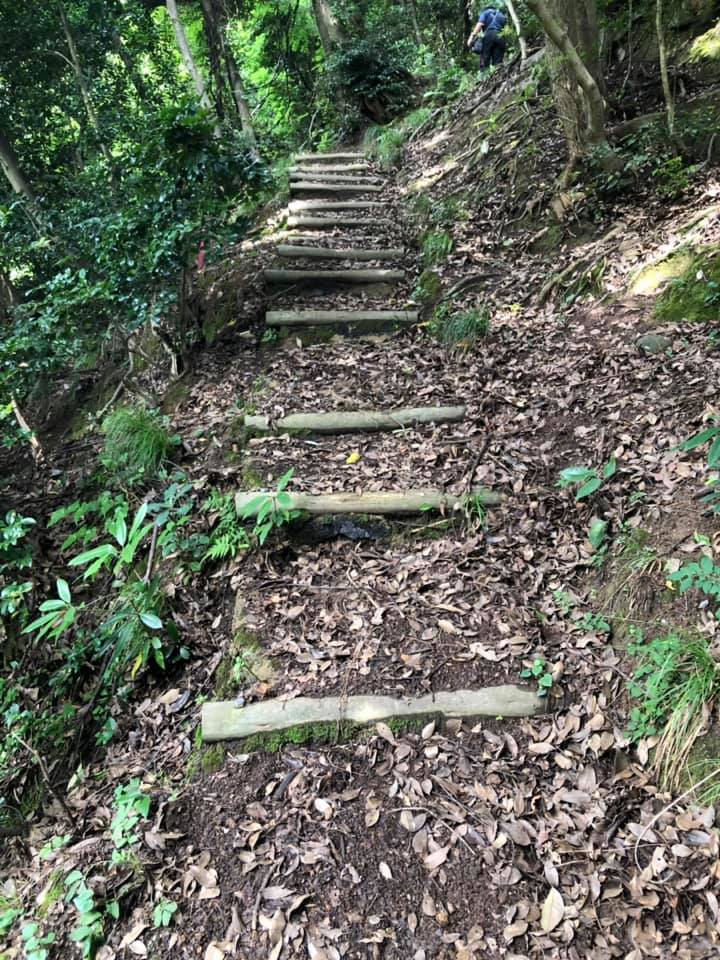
(384, 503)
(328, 253)
(334, 276)
(350, 421)
(361, 168)
(311, 318)
(222, 720)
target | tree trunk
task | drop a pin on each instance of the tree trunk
(386, 503)
(188, 59)
(577, 91)
(11, 169)
(519, 29)
(662, 51)
(236, 84)
(411, 7)
(213, 43)
(331, 33)
(83, 84)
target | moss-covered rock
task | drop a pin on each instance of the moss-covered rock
(694, 293)
(651, 279)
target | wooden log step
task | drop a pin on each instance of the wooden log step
(317, 318)
(385, 503)
(223, 720)
(321, 177)
(354, 421)
(320, 206)
(328, 253)
(334, 276)
(319, 223)
(331, 157)
(319, 168)
(312, 186)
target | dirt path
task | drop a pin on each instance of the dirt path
(447, 843)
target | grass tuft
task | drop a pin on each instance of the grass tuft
(675, 683)
(137, 442)
(460, 329)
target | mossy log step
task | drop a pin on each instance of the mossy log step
(319, 223)
(351, 421)
(391, 503)
(312, 186)
(222, 720)
(321, 205)
(325, 177)
(331, 157)
(333, 276)
(312, 318)
(296, 251)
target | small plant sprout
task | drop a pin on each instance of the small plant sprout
(271, 511)
(164, 912)
(56, 616)
(586, 480)
(131, 806)
(35, 943)
(539, 672)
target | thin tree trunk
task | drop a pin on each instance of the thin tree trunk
(662, 50)
(519, 29)
(9, 296)
(83, 84)
(411, 7)
(188, 59)
(236, 84)
(11, 169)
(558, 36)
(331, 33)
(213, 43)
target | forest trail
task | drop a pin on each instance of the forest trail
(513, 838)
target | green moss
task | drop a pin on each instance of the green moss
(206, 760)
(251, 479)
(649, 280)
(400, 725)
(309, 733)
(429, 288)
(694, 294)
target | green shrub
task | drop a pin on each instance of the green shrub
(460, 328)
(137, 442)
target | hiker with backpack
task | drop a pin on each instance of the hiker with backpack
(486, 38)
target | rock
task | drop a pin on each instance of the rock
(652, 344)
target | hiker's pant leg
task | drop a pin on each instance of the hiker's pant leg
(498, 50)
(489, 39)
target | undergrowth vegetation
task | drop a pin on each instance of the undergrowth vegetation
(137, 443)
